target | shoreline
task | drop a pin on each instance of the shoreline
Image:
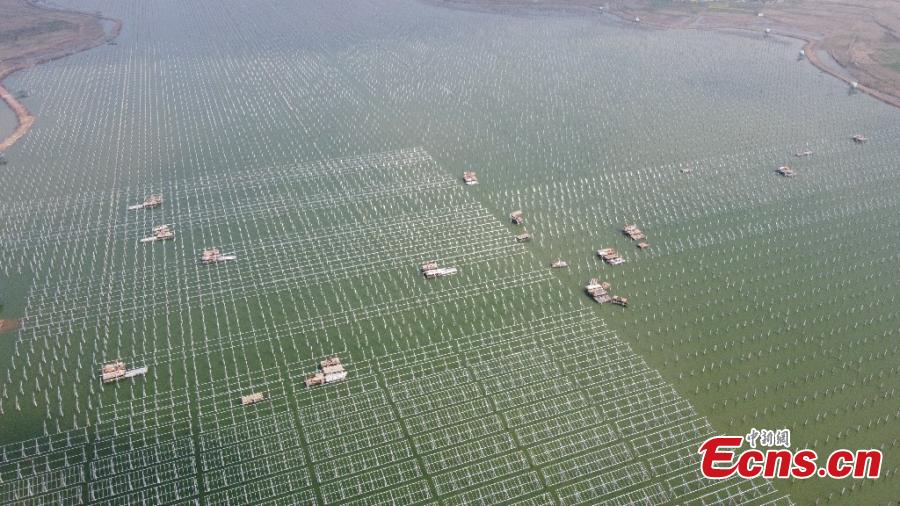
(811, 42)
(24, 119)
(810, 47)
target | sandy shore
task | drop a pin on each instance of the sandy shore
(24, 119)
(17, 59)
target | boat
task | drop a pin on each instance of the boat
(331, 370)
(151, 202)
(330, 362)
(212, 255)
(610, 256)
(133, 373)
(523, 237)
(315, 379)
(112, 371)
(517, 217)
(431, 269)
(619, 301)
(160, 233)
(440, 272)
(599, 291)
(803, 154)
(2, 158)
(687, 170)
(470, 177)
(633, 232)
(860, 139)
(253, 398)
(116, 370)
(785, 171)
(643, 245)
(559, 264)
(604, 252)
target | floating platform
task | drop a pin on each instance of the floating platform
(633, 232)
(160, 233)
(785, 171)
(213, 255)
(431, 269)
(440, 272)
(151, 202)
(253, 398)
(610, 256)
(599, 291)
(330, 371)
(619, 301)
(115, 371)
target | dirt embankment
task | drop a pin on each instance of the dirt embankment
(30, 35)
(862, 36)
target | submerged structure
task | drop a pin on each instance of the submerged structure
(331, 370)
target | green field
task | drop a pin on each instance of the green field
(324, 147)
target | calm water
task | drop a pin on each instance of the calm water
(322, 143)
